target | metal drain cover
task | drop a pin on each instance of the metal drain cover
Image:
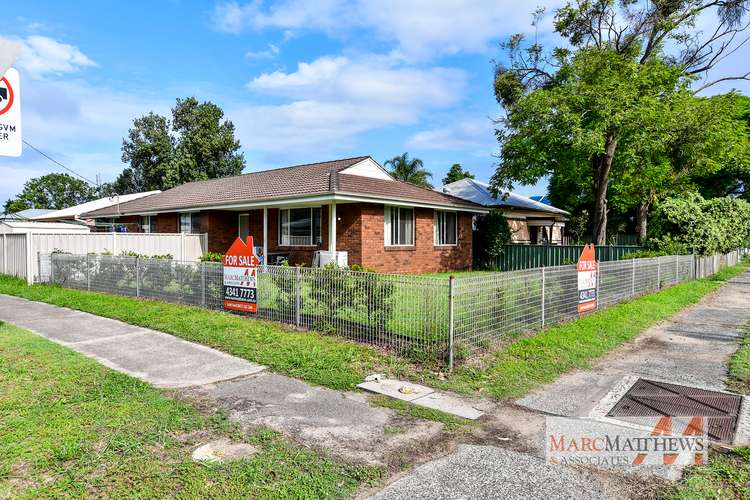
(648, 398)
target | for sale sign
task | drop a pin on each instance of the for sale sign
(10, 114)
(240, 277)
(587, 279)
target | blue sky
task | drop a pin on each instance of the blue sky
(302, 80)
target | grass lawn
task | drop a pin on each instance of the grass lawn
(535, 360)
(330, 361)
(69, 427)
(319, 359)
(727, 476)
(739, 367)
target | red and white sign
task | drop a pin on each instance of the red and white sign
(587, 288)
(10, 114)
(240, 277)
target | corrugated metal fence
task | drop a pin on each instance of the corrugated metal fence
(422, 317)
(518, 257)
(13, 256)
(24, 249)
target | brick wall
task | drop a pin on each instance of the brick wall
(424, 256)
(359, 231)
(222, 228)
(167, 223)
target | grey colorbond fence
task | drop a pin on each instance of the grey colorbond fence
(429, 318)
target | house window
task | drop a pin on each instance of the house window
(299, 226)
(190, 222)
(148, 224)
(399, 226)
(446, 228)
(244, 226)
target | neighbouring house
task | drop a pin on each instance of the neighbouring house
(27, 214)
(73, 214)
(350, 207)
(8, 226)
(531, 222)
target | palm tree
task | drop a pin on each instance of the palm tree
(409, 170)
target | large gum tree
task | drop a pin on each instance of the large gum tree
(570, 110)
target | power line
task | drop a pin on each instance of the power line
(58, 163)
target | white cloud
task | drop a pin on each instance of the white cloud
(466, 135)
(42, 56)
(419, 28)
(269, 53)
(370, 79)
(331, 100)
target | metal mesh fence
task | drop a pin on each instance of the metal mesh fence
(430, 318)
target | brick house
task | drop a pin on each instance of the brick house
(351, 205)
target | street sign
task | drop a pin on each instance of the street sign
(587, 279)
(10, 114)
(240, 277)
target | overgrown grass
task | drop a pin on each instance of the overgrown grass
(532, 361)
(726, 476)
(451, 422)
(70, 427)
(323, 360)
(339, 364)
(739, 366)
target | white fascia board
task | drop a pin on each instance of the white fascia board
(406, 202)
(312, 201)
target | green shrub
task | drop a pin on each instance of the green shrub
(717, 225)
(212, 257)
(491, 233)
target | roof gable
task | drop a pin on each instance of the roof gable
(368, 168)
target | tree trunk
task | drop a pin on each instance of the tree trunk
(642, 222)
(602, 165)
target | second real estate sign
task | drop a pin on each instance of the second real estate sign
(241, 277)
(587, 280)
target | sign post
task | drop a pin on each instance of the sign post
(240, 277)
(587, 269)
(10, 114)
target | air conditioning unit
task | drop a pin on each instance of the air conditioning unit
(323, 257)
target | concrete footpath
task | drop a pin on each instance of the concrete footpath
(341, 424)
(692, 348)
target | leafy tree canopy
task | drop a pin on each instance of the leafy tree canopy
(51, 191)
(409, 170)
(196, 144)
(581, 111)
(456, 173)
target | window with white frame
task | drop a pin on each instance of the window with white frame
(299, 226)
(148, 224)
(399, 226)
(190, 222)
(446, 228)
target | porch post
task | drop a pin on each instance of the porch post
(332, 227)
(265, 236)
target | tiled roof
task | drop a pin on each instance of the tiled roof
(288, 182)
